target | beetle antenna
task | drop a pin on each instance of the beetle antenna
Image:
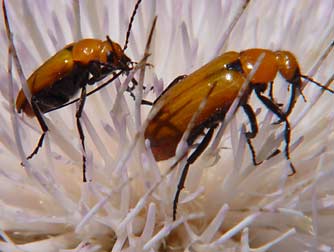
(318, 83)
(130, 25)
(109, 40)
(13, 50)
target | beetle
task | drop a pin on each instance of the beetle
(228, 72)
(70, 70)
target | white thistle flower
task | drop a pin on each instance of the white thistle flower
(228, 204)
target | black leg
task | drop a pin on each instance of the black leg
(276, 152)
(130, 90)
(41, 122)
(198, 151)
(176, 80)
(292, 100)
(252, 119)
(99, 74)
(271, 91)
(271, 94)
(254, 130)
(146, 102)
(283, 118)
(271, 105)
(296, 84)
(80, 130)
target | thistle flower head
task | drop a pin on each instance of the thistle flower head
(227, 204)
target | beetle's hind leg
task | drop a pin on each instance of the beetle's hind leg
(42, 123)
(80, 130)
(198, 151)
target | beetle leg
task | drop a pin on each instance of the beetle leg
(295, 84)
(282, 117)
(198, 151)
(146, 102)
(271, 94)
(41, 122)
(276, 152)
(131, 88)
(271, 91)
(80, 130)
(253, 132)
(98, 74)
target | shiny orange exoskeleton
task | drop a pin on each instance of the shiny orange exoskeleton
(220, 80)
(70, 70)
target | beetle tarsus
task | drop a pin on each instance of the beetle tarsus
(39, 145)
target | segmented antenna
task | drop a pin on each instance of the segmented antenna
(318, 83)
(316, 67)
(130, 25)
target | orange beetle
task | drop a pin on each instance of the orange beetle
(181, 100)
(65, 73)
(61, 77)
